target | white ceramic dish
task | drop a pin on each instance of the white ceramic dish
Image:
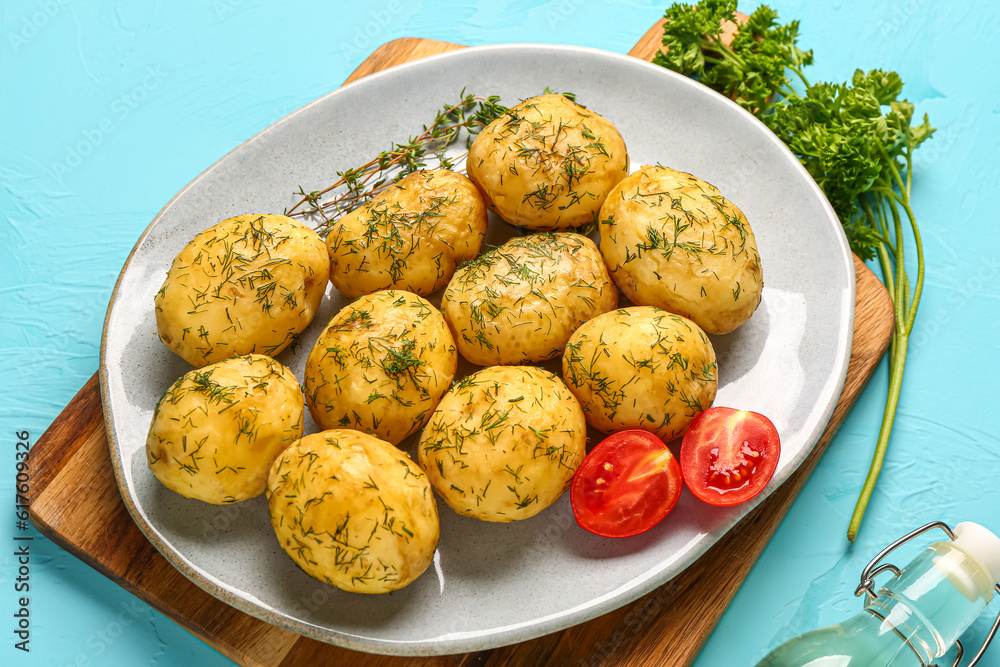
(491, 584)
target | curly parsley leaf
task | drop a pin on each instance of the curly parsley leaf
(748, 69)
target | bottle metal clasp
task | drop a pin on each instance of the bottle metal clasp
(875, 567)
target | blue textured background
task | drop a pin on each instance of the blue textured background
(108, 109)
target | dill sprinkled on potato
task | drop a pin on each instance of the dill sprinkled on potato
(410, 236)
(217, 429)
(353, 511)
(381, 365)
(641, 367)
(230, 275)
(517, 426)
(521, 301)
(697, 244)
(547, 163)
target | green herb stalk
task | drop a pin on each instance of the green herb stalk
(357, 185)
(856, 139)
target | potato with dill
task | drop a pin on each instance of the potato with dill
(381, 365)
(641, 367)
(217, 429)
(672, 240)
(353, 511)
(410, 236)
(547, 163)
(504, 443)
(521, 301)
(251, 283)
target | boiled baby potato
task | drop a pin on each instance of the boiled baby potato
(521, 301)
(353, 511)
(504, 443)
(547, 163)
(217, 430)
(672, 240)
(641, 367)
(249, 284)
(381, 365)
(410, 236)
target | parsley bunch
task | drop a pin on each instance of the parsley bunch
(856, 139)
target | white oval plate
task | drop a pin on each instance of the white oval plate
(491, 584)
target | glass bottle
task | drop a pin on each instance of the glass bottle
(917, 616)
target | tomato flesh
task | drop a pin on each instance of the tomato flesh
(728, 456)
(626, 485)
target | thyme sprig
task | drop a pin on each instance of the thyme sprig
(357, 185)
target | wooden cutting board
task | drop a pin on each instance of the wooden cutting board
(75, 502)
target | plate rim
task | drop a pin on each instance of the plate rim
(513, 633)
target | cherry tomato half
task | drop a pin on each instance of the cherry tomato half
(728, 456)
(625, 485)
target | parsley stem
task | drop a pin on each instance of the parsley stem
(897, 361)
(798, 72)
(899, 297)
(905, 306)
(885, 246)
(726, 51)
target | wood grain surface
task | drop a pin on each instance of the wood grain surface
(75, 502)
